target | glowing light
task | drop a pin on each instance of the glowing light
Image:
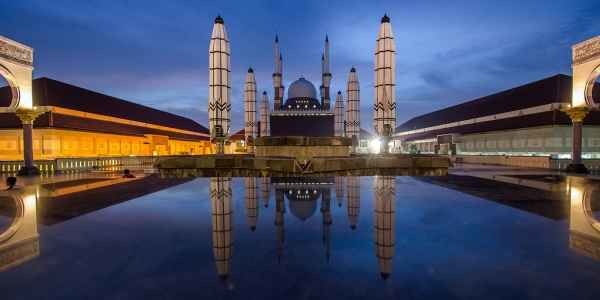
(375, 145)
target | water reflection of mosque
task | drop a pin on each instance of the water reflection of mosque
(57, 200)
(304, 196)
(555, 197)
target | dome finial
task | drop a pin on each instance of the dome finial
(264, 92)
(250, 70)
(352, 69)
(385, 19)
(219, 20)
(339, 92)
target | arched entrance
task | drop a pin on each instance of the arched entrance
(16, 66)
(586, 68)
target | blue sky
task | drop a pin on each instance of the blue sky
(155, 52)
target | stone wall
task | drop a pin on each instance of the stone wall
(303, 147)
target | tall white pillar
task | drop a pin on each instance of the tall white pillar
(384, 108)
(353, 107)
(250, 109)
(338, 114)
(264, 115)
(219, 88)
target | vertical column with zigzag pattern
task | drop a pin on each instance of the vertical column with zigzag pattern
(384, 108)
(250, 106)
(219, 88)
(353, 105)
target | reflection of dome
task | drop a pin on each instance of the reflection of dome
(302, 202)
(302, 95)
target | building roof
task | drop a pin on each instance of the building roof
(51, 92)
(555, 89)
(302, 93)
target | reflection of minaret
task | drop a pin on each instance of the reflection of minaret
(279, 222)
(277, 77)
(339, 114)
(327, 221)
(353, 106)
(265, 190)
(353, 200)
(384, 109)
(326, 77)
(222, 218)
(384, 187)
(251, 201)
(264, 115)
(339, 190)
(250, 107)
(219, 106)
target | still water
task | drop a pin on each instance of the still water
(382, 237)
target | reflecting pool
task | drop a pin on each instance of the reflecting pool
(376, 237)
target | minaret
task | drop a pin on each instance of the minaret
(264, 115)
(277, 77)
(222, 220)
(384, 108)
(339, 190)
(339, 114)
(327, 221)
(265, 190)
(250, 109)
(280, 222)
(353, 107)
(251, 201)
(385, 187)
(326, 76)
(353, 199)
(219, 89)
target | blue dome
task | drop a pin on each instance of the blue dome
(302, 95)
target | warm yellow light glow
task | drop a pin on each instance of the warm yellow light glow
(375, 146)
(578, 94)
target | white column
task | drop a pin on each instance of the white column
(384, 108)
(353, 106)
(264, 115)
(219, 88)
(338, 112)
(250, 107)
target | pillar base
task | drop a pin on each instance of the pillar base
(577, 168)
(28, 171)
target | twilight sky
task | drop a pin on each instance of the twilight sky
(156, 53)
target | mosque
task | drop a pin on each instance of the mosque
(305, 112)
